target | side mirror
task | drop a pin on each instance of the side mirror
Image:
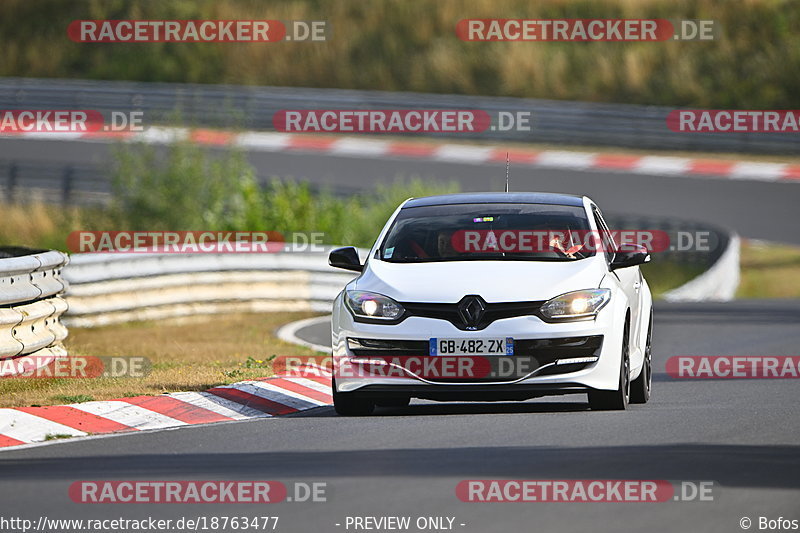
(628, 255)
(346, 258)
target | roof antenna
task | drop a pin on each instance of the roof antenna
(506, 171)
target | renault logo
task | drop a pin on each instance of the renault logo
(471, 309)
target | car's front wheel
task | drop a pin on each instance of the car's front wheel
(616, 400)
(349, 404)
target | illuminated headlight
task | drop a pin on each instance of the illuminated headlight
(372, 305)
(575, 305)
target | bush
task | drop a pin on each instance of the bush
(184, 188)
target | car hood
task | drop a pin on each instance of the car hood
(494, 281)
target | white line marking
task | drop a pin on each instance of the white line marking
(158, 135)
(558, 159)
(758, 171)
(288, 333)
(662, 166)
(311, 384)
(287, 395)
(219, 405)
(54, 135)
(128, 414)
(352, 146)
(270, 142)
(463, 153)
(274, 394)
(26, 427)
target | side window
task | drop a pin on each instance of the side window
(607, 239)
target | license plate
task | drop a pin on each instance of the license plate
(501, 346)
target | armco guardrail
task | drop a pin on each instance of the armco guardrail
(30, 308)
(113, 288)
(553, 122)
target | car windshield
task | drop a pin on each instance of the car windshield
(470, 232)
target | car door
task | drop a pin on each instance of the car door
(630, 279)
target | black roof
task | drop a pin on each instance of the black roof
(497, 198)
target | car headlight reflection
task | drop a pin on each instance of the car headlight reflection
(576, 304)
(365, 304)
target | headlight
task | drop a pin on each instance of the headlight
(577, 304)
(372, 305)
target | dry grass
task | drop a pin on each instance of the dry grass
(30, 224)
(37, 224)
(769, 271)
(186, 355)
(26, 224)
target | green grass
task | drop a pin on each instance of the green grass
(57, 436)
(410, 45)
(769, 270)
(76, 398)
(662, 276)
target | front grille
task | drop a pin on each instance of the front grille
(547, 351)
(492, 312)
(390, 347)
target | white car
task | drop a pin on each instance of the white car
(492, 297)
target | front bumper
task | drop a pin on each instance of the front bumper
(546, 342)
(472, 392)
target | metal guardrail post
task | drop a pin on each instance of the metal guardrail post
(66, 190)
(12, 182)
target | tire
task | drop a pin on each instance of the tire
(642, 386)
(348, 404)
(616, 400)
(400, 401)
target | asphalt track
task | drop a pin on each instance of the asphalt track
(741, 434)
(758, 210)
